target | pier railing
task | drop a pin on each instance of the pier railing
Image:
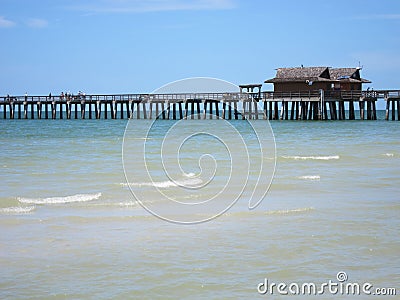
(228, 96)
(315, 105)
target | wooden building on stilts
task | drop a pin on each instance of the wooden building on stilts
(338, 88)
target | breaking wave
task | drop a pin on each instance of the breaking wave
(310, 177)
(167, 184)
(330, 157)
(389, 154)
(61, 200)
(17, 210)
(290, 211)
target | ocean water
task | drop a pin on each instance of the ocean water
(71, 227)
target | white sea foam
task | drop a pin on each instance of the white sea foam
(168, 183)
(310, 177)
(329, 157)
(61, 200)
(17, 210)
(127, 204)
(191, 182)
(389, 154)
(190, 175)
(159, 184)
(290, 211)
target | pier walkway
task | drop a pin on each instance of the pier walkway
(315, 105)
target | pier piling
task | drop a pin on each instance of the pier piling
(273, 106)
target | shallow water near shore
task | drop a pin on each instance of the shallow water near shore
(72, 228)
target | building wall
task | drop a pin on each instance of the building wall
(346, 86)
(301, 86)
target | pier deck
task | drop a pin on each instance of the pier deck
(315, 105)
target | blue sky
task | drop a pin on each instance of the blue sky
(132, 46)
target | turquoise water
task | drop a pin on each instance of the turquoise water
(71, 228)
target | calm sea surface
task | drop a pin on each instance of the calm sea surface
(71, 228)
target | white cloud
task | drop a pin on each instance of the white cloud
(379, 17)
(37, 23)
(389, 17)
(4, 23)
(142, 6)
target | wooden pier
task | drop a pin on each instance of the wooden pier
(310, 105)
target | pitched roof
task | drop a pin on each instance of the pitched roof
(347, 74)
(315, 74)
(343, 73)
(300, 74)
